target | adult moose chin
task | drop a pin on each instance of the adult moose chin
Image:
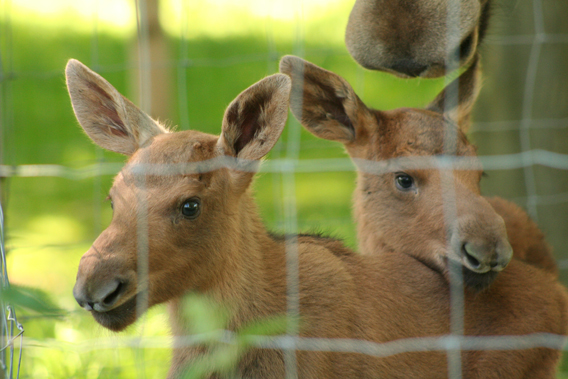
(413, 38)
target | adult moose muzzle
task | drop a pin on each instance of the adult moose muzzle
(412, 38)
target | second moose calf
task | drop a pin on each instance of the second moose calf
(401, 210)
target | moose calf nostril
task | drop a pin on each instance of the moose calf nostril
(474, 262)
(111, 297)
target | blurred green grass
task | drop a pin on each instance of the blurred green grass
(50, 222)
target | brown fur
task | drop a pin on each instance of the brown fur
(409, 38)
(411, 223)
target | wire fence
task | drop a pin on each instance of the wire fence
(11, 329)
(285, 163)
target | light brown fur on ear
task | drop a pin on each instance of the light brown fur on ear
(254, 121)
(252, 125)
(468, 86)
(108, 118)
(323, 101)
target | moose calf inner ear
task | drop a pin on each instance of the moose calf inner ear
(250, 117)
(322, 101)
(108, 118)
(254, 121)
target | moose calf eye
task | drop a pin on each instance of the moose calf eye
(191, 208)
(404, 182)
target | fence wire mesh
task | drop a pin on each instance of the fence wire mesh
(526, 143)
(11, 329)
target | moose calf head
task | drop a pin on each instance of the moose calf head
(412, 38)
(404, 202)
(171, 231)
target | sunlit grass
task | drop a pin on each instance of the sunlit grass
(213, 18)
(115, 17)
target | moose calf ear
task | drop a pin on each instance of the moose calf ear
(323, 102)
(254, 121)
(108, 118)
(466, 87)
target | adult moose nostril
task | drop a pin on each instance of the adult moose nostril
(408, 67)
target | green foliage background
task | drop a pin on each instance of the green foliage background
(51, 221)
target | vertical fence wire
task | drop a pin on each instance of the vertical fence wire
(183, 65)
(278, 149)
(291, 216)
(4, 326)
(99, 155)
(451, 102)
(142, 238)
(528, 98)
(10, 329)
(6, 100)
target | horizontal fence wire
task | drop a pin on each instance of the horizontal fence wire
(488, 162)
(343, 345)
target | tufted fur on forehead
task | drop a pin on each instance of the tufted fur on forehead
(416, 132)
(168, 156)
(181, 147)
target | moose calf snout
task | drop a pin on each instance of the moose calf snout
(101, 298)
(482, 258)
(481, 243)
(99, 287)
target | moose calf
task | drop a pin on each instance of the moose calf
(406, 206)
